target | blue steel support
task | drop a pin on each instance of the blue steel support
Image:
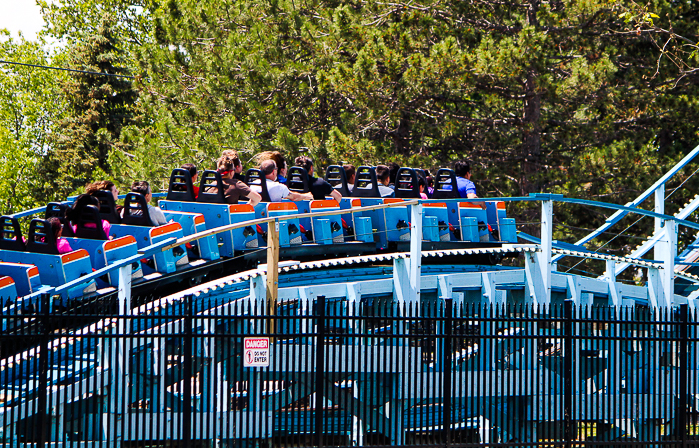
(258, 288)
(648, 245)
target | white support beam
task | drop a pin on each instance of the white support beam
(610, 276)
(415, 250)
(402, 286)
(124, 294)
(444, 285)
(117, 358)
(573, 289)
(666, 252)
(488, 292)
(659, 207)
(656, 294)
(258, 288)
(546, 247)
(538, 265)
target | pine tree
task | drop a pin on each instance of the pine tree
(99, 106)
(531, 91)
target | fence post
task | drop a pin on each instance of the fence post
(568, 373)
(682, 411)
(320, 368)
(43, 420)
(187, 372)
(446, 369)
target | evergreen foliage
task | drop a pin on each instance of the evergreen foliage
(592, 99)
(30, 104)
(541, 96)
(98, 109)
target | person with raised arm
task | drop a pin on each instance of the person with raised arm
(276, 190)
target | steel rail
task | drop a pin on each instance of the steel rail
(619, 214)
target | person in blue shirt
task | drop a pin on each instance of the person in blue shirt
(467, 189)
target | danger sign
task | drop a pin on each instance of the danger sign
(256, 352)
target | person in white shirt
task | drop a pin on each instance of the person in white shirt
(383, 176)
(156, 215)
(277, 191)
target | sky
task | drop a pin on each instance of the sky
(21, 15)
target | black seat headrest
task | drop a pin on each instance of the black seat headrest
(136, 211)
(180, 187)
(253, 176)
(11, 234)
(108, 210)
(41, 239)
(297, 180)
(89, 224)
(365, 184)
(335, 175)
(445, 177)
(58, 210)
(209, 180)
(407, 183)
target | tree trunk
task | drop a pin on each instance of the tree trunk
(401, 136)
(531, 130)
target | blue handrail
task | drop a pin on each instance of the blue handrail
(70, 200)
(616, 217)
(170, 242)
(144, 252)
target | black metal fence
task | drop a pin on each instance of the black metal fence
(340, 373)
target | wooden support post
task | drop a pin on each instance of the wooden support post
(272, 271)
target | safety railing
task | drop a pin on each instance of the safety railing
(542, 270)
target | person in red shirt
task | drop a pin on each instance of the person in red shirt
(235, 189)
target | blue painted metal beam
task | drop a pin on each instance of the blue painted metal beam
(616, 217)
